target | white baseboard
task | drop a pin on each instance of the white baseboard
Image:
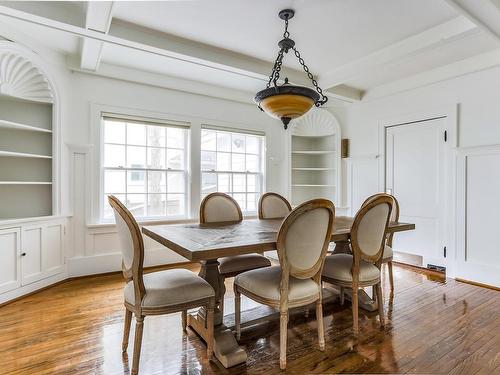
(26, 289)
(91, 265)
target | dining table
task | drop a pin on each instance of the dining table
(206, 243)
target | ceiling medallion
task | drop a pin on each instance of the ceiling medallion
(288, 101)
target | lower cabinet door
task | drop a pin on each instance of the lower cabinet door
(52, 249)
(10, 265)
(31, 254)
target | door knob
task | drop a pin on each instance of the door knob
(23, 254)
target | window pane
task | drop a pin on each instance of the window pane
(252, 145)
(239, 183)
(253, 183)
(175, 137)
(157, 205)
(175, 205)
(114, 182)
(136, 157)
(238, 142)
(252, 163)
(157, 182)
(114, 156)
(223, 161)
(241, 199)
(208, 183)
(208, 140)
(224, 182)
(114, 132)
(175, 159)
(238, 162)
(156, 136)
(252, 201)
(107, 210)
(156, 158)
(136, 204)
(175, 182)
(208, 159)
(136, 182)
(136, 134)
(223, 141)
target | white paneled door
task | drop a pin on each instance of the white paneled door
(415, 175)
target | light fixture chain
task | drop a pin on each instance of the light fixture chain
(275, 74)
(324, 98)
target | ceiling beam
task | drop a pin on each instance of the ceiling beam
(430, 38)
(151, 41)
(99, 15)
(484, 13)
(469, 65)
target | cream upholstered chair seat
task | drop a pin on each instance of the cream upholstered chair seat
(265, 282)
(338, 267)
(387, 252)
(240, 263)
(170, 287)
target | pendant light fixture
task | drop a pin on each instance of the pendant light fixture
(288, 101)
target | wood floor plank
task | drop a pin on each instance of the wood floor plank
(433, 326)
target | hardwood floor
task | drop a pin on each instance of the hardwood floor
(432, 326)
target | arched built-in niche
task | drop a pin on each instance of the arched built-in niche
(28, 135)
(315, 157)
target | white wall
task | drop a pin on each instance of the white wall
(478, 122)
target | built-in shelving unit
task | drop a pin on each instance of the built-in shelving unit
(26, 137)
(314, 157)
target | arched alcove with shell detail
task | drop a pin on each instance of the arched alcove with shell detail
(315, 157)
(27, 135)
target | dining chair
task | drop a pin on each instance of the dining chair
(302, 245)
(156, 293)
(388, 253)
(219, 208)
(273, 206)
(362, 268)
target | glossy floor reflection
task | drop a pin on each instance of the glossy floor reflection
(433, 327)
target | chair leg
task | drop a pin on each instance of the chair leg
(221, 307)
(237, 313)
(374, 293)
(283, 338)
(380, 305)
(391, 278)
(355, 322)
(319, 318)
(137, 344)
(342, 295)
(184, 320)
(126, 330)
(210, 329)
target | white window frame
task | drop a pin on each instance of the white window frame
(187, 163)
(262, 163)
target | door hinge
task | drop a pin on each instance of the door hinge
(446, 135)
(444, 251)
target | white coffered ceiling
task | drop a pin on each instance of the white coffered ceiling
(226, 47)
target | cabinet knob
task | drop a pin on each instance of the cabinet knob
(23, 254)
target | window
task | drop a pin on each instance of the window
(145, 166)
(232, 163)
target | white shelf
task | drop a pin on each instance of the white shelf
(23, 155)
(313, 152)
(25, 183)
(313, 169)
(312, 185)
(18, 126)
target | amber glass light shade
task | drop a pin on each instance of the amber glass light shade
(286, 102)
